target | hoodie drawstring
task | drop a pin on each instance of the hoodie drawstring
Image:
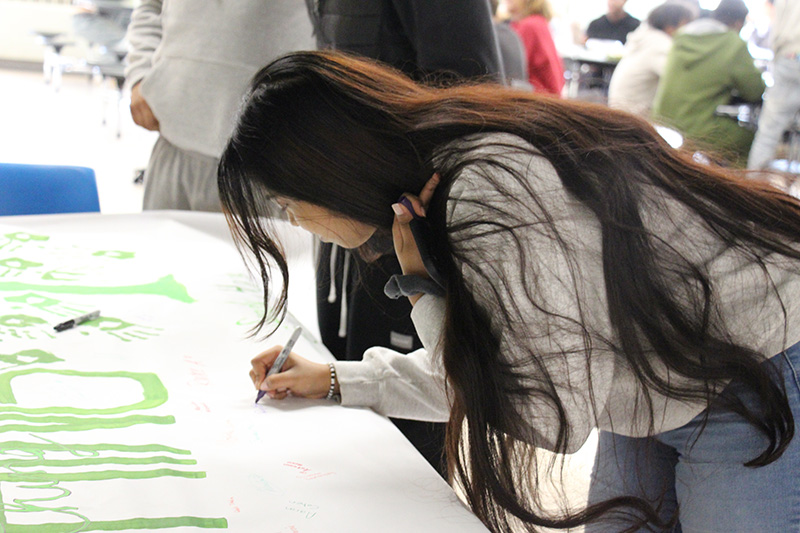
(332, 269)
(343, 289)
(343, 309)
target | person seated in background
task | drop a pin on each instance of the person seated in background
(782, 101)
(635, 80)
(530, 19)
(614, 25)
(708, 66)
(512, 53)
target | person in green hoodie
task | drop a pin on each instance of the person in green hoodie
(708, 66)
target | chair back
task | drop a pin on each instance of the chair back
(43, 189)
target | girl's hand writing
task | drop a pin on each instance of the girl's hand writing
(299, 377)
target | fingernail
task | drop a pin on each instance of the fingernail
(398, 209)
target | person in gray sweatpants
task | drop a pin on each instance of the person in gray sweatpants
(781, 101)
(189, 65)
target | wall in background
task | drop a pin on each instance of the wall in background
(20, 19)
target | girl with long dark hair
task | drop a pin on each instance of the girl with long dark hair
(587, 276)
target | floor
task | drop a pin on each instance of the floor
(39, 124)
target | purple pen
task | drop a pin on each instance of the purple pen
(422, 233)
(406, 202)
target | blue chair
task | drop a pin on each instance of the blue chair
(43, 189)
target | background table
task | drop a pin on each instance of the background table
(144, 418)
(591, 68)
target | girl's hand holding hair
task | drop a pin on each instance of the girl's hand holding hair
(404, 245)
(299, 376)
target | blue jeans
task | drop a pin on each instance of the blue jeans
(706, 480)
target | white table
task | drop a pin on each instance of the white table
(593, 62)
(144, 418)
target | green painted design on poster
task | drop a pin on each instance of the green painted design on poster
(21, 321)
(153, 391)
(96, 475)
(71, 423)
(24, 236)
(166, 286)
(46, 304)
(17, 264)
(61, 275)
(121, 525)
(122, 329)
(83, 523)
(114, 254)
(43, 473)
(153, 459)
(90, 449)
(28, 357)
(30, 455)
(23, 326)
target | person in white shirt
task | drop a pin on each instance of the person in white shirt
(635, 80)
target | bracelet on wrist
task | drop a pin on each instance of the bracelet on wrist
(332, 388)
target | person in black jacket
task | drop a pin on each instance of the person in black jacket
(614, 25)
(437, 41)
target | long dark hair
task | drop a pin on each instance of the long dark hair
(352, 135)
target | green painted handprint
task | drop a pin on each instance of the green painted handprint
(47, 304)
(24, 327)
(122, 329)
(14, 266)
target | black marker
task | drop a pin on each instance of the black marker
(77, 320)
(281, 359)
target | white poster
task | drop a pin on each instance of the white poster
(144, 418)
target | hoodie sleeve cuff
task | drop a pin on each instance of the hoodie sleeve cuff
(359, 383)
(428, 318)
(410, 386)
